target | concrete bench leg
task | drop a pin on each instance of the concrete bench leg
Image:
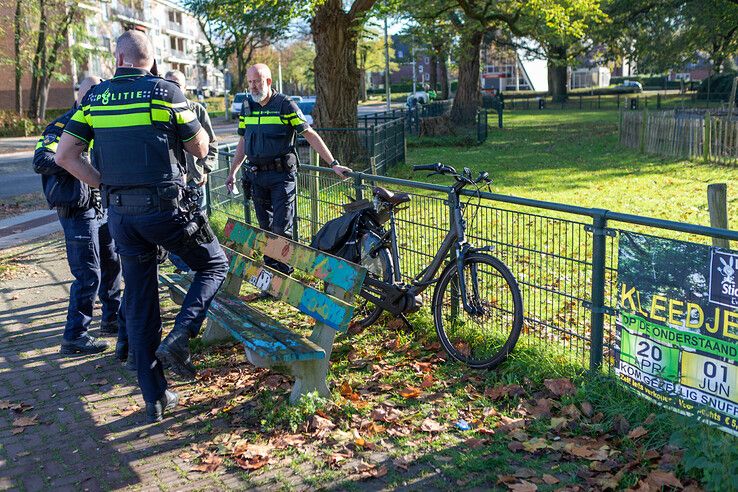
(215, 334)
(310, 375)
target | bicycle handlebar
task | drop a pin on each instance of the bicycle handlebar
(465, 177)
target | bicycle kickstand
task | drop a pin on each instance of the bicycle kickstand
(407, 321)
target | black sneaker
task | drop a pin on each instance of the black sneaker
(109, 328)
(174, 353)
(84, 345)
(155, 410)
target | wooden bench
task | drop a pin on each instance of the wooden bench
(267, 341)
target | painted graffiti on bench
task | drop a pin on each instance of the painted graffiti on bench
(308, 300)
(249, 240)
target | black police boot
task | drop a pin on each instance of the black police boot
(155, 410)
(109, 328)
(84, 345)
(130, 364)
(174, 352)
(121, 350)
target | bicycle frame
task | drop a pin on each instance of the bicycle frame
(395, 293)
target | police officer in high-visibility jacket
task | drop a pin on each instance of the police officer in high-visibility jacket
(142, 125)
(90, 249)
(268, 125)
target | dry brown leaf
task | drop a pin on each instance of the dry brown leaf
(209, 463)
(572, 412)
(542, 408)
(550, 479)
(410, 392)
(558, 423)
(21, 407)
(251, 463)
(430, 425)
(403, 462)
(318, 423)
(523, 486)
(560, 387)
(100, 382)
(659, 479)
(25, 421)
(497, 392)
(475, 443)
(506, 479)
(515, 446)
(524, 473)
(427, 381)
(620, 425)
(4, 404)
(535, 444)
(639, 431)
(18, 430)
(587, 409)
(348, 392)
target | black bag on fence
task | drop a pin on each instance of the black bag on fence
(340, 237)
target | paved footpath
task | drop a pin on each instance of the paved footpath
(85, 429)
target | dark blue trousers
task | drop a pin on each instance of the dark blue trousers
(274, 194)
(96, 268)
(136, 235)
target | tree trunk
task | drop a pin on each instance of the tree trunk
(443, 69)
(466, 101)
(433, 72)
(557, 74)
(336, 72)
(18, 65)
(362, 85)
(38, 59)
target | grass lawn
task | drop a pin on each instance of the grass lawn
(573, 157)
(399, 411)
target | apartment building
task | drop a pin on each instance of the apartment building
(176, 35)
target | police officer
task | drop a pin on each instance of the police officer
(142, 125)
(90, 249)
(268, 123)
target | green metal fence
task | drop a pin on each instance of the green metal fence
(564, 257)
(584, 102)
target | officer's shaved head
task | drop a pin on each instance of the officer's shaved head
(134, 49)
(178, 77)
(84, 87)
(259, 78)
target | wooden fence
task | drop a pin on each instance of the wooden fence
(687, 134)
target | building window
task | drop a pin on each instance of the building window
(399, 54)
(426, 76)
(420, 68)
(426, 60)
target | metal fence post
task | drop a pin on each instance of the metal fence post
(314, 189)
(707, 138)
(359, 187)
(599, 252)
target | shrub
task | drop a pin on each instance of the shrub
(14, 125)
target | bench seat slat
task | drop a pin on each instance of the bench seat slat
(331, 269)
(322, 307)
(262, 335)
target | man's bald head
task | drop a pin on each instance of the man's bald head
(134, 49)
(259, 78)
(178, 77)
(84, 87)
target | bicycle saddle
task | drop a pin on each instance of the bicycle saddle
(390, 197)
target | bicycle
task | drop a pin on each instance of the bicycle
(478, 320)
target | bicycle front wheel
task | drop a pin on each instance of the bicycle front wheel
(378, 265)
(484, 334)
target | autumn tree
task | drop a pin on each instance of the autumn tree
(237, 30)
(370, 57)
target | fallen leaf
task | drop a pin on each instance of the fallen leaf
(542, 408)
(208, 464)
(524, 473)
(587, 409)
(18, 430)
(410, 392)
(348, 392)
(497, 392)
(318, 423)
(25, 421)
(620, 425)
(571, 411)
(639, 431)
(430, 425)
(660, 479)
(475, 443)
(558, 423)
(515, 446)
(523, 486)
(427, 381)
(550, 479)
(560, 387)
(100, 382)
(403, 462)
(4, 404)
(251, 463)
(535, 444)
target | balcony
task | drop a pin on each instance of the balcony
(177, 29)
(177, 56)
(131, 15)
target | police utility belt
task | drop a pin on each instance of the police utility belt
(161, 198)
(284, 163)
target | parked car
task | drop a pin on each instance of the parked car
(238, 100)
(633, 85)
(307, 109)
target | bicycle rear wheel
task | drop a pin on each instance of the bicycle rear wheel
(483, 339)
(379, 265)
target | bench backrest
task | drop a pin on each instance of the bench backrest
(245, 246)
